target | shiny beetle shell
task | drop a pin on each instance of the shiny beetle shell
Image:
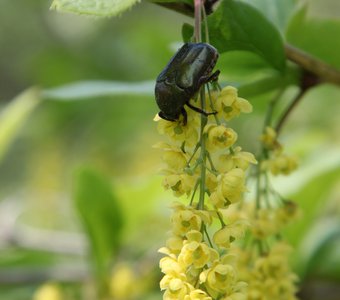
(181, 79)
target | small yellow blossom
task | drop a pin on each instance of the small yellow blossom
(176, 160)
(221, 277)
(174, 244)
(269, 139)
(180, 184)
(229, 233)
(281, 164)
(263, 224)
(219, 137)
(48, 291)
(194, 252)
(176, 289)
(287, 213)
(229, 105)
(185, 219)
(170, 266)
(211, 182)
(237, 159)
(178, 132)
(230, 188)
(197, 295)
(123, 283)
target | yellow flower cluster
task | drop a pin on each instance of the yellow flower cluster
(266, 222)
(268, 275)
(265, 264)
(193, 268)
(278, 162)
(196, 266)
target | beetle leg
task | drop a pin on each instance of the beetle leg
(185, 116)
(164, 117)
(208, 78)
(200, 110)
(214, 76)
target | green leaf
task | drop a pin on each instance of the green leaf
(100, 8)
(13, 116)
(90, 89)
(321, 255)
(277, 11)
(101, 216)
(238, 26)
(187, 32)
(316, 36)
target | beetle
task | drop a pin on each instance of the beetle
(182, 78)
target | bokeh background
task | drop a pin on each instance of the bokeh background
(101, 147)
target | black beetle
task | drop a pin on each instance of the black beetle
(182, 78)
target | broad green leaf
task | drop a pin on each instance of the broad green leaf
(238, 26)
(100, 8)
(89, 89)
(277, 11)
(321, 254)
(310, 198)
(231, 27)
(13, 116)
(101, 217)
(317, 36)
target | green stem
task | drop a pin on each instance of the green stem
(193, 154)
(203, 154)
(208, 237)
(197, 13)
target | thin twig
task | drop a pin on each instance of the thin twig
(289, 109)
(316, 66)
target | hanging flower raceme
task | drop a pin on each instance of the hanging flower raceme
(277, 162)
(264, 263)
(203, 164)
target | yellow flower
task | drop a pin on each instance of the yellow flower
(197, 295)
(178, 132)
(185, 219)
(170, 266)
(281, 164)
(174, 244)
(221, 277)
(239, 292)
(229, 105)
(176, 289)
(211, 181)
(175, 159)
(48, 291)
(264, 224)
(230, 188)
(123, 283)
(219, 137)
(194, 252)
(287, 213)
(269, 139)
(237, 159)
(229, 233)
(180, 183)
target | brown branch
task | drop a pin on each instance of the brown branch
(307, 81)
(288, 110)
(313, 65)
